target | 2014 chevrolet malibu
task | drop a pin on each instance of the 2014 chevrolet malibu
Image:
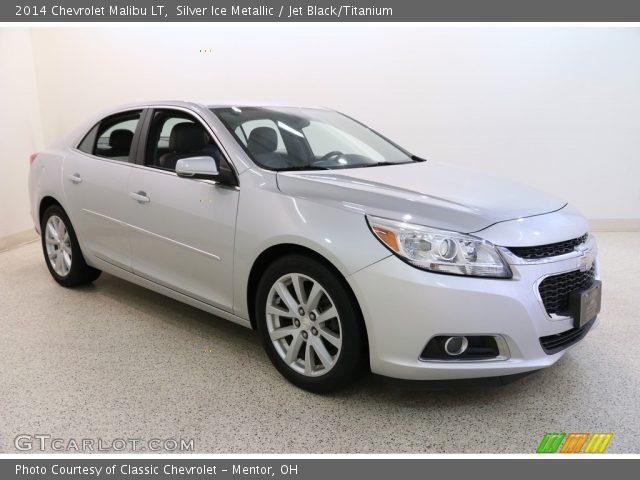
(341, 248)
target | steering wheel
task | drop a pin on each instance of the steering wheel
(327, 156)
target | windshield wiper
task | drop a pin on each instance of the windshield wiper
(306, 167)
(379, 164)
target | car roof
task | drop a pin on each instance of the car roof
(80, 131)
(213, 104)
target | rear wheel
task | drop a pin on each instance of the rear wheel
(62, 251)
(309, 324)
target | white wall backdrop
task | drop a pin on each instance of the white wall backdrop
(20, 128)
(558, 108)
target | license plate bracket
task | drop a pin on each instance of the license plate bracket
(585, 304)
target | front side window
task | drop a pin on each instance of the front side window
(112, 137)
(306, 138)
(175, 135)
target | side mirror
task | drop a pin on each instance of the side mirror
(197, 167)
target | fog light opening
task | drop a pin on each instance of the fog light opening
(470, 348)
(455, 346)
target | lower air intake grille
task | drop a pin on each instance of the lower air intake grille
(554, 343)
(555, 290)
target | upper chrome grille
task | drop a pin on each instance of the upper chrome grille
(549, 250)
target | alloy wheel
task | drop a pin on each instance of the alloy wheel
(58, 245)
(303, 324)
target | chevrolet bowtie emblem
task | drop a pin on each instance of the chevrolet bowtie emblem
(586, 262)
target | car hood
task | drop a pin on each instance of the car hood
(426, 193)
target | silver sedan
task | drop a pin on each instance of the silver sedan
(346, 252)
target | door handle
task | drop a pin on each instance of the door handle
(140, 197)
(75, 178)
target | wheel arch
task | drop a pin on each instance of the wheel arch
(273, 253)
(45, 203)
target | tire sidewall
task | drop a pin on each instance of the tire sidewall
(77, 272)
(350, 359)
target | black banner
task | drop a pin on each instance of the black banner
(316, 469)
(319, 11)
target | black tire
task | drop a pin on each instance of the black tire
(79, 273)
(351, 358)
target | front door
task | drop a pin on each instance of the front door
(182, 230)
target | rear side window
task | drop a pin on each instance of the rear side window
(112, 137)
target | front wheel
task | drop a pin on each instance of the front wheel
(309, 324)
(62, 250)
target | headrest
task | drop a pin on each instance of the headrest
(187, 137)
(263, 140)
(121, 139)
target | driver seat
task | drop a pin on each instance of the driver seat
(262, 144)
(186, 140)
(262, 140)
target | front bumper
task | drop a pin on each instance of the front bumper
(405, 307)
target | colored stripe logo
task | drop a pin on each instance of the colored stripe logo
(598, 442)
(550, 442)
(574, 442)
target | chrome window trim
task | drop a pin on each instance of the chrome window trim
(106, 159)
(153, 169)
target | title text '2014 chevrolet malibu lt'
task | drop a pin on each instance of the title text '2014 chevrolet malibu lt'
(342, 249)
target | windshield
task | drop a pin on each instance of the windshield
(308, 139)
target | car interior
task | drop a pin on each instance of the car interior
(284, 141)
(115, 136)
(267, 142)
(174, 136)
(119, 143)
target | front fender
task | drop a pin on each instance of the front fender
(267, 217)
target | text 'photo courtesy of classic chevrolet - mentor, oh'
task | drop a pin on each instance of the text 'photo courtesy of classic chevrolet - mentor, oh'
(343, 250)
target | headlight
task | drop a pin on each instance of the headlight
(440, 250)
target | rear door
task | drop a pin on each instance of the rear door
(182, 230)
(95, 177)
